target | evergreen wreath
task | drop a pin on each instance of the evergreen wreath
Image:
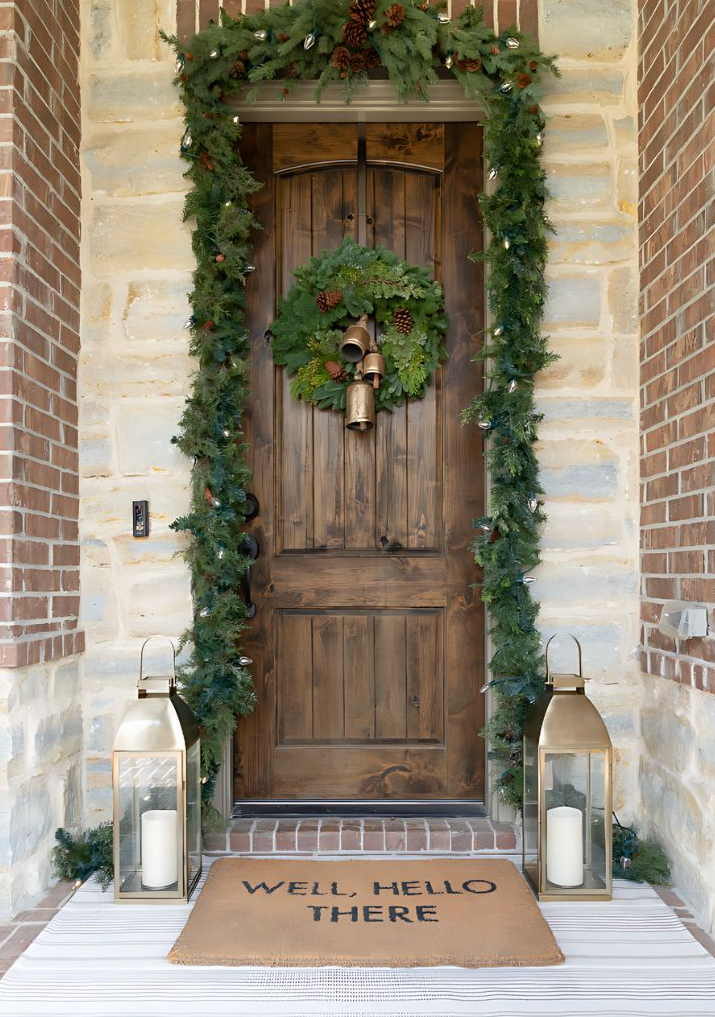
(332, 291)
(412, 41)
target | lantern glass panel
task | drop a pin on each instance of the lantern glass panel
(575, 793)
(150, 836)
(193, 811)
(530, 815)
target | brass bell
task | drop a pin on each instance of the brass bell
(360, 405)
(356, 341)
(373, 367)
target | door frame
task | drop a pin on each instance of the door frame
(374, 102)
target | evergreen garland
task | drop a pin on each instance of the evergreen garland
(348, 282)
(76, 858)
(337, 40)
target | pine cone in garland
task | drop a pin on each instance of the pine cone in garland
(238, 69)
(470, 65)
(354, 34)
(336, 371)
(340, 58)
(402, 320)
(372, 59)
(358, 62)
(394, 15)
(328, 299)
(363, 10)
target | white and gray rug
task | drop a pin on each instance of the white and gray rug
(631, 957)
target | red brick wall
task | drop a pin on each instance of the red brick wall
(39, 330)
(507, 12)
(677, 265)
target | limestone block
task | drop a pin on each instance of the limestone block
(600, 643)
(586, 29)
(592, 243)
(170, 496)
(576, 585)
(102, 729)
(627, 187)
(625, 366)
(583, 411)
(141, 161)
(575, 135)
(593, 482)
(577, 188)
(107, 503)
(94, 417)
(66, 682)
(159, 604)
(582, 525)
(139, 22)
(626, 135)
(144, 433)
(157, 549)
(57, 737)
(111, 670)
(130, 236)
(97, 23)
(72, 797)
(96, 457)
(123, 98)
(100, 609)
(32, 818)
(155, 313)
(623, 299)
(673, 809)
(704, 714)
(138, 376)
(668, 738)
(596, 85)
(581, 364)
(96, 312)
(573, 302)
(561, 452)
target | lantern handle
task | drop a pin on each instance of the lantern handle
(173, 651)
(580, 655)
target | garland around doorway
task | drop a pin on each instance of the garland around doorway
(342, 40)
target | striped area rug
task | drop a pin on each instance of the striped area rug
(628, 958)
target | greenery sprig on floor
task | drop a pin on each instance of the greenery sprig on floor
(338, 40)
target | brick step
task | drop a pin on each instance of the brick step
(335, 834)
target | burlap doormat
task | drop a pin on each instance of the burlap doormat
(421, 913)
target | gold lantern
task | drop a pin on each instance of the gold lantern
(356, 341)
(156, 771)
(373, 366)
(359, 405)
(567, 807)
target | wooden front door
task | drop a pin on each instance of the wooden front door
(368, 640)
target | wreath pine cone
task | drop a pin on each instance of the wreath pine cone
(363, 10)
(328, 299)
(336, 371)
(394, 15)
(354, 34)
(403, 320)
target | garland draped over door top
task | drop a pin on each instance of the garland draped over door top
(326, 40)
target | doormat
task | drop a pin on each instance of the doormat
(422, 913)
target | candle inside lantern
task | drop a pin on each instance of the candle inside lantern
(160, 848)
(564, 846)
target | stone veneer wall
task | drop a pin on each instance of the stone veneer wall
(137, 264)
(677, 216)
(40, 701)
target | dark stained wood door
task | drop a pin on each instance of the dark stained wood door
(368, 638)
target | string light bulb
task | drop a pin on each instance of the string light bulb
(372, 25)
(507, 243)
(249, 269)
(533, 504)
(513, 385)
(506, 86)
(449, 60)
(204, 612)
(499, 330)
(484, 424)
(443, 18)
(539, 138)
(512, 43)
(237, 120)
(260, 35)
(213, 54)
(309, 40)
(493, 173)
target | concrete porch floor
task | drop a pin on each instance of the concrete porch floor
(626, 958)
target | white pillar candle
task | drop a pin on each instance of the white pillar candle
(564, 846)
(160, 848)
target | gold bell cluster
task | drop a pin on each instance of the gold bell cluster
(358, 347)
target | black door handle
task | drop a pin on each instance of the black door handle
(252, 507)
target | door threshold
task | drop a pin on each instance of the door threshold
(278, 808)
